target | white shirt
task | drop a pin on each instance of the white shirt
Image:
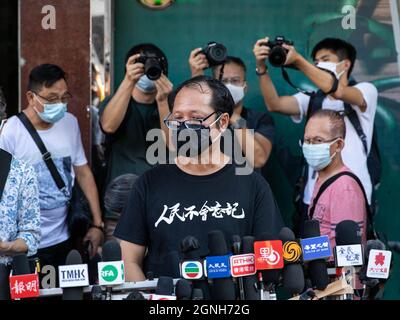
(353, 153)
(63, 141)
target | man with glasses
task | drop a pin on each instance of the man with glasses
(249, 126)
(336, 196)
(200, 192)
(48, 98)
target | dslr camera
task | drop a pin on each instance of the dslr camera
(278, 54)
(215, 53)
(154, 66)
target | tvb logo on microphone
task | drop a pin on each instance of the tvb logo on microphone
(192, 270)
(111, 273)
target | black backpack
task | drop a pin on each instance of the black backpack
(374, 161)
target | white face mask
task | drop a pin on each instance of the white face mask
(331, 66)
(236, 92)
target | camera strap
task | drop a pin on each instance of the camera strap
(334, 88)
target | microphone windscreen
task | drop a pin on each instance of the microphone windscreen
(165, 286)
(286, 235)
(96, 293)
(221, 289)
(318, 273)
(250, 282)
(348, 232)
(248, 244)
(293, 279)
(73, 257)
(269, 276)
(217, 243)
(20, 265)
(171, 265)
(74, 293)
(183, 290)
(236, 244)
(93, 269)
(135, 295)
(197, 294)
(111, 251)
(311, 229)
(370, 245)
(4, 283)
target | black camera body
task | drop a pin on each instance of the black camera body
(154, 66)
(215, 53)
(278, 54)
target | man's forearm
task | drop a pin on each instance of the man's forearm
(320, 78)
(88, 185)
(268, 90)
(115, 110)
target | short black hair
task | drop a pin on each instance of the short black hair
(234, 60)
(343, 49)
(148, 47)
(45, 75)
(221, 99)
(338, 126)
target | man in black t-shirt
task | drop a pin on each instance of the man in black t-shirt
(138, 106)
(197, 193)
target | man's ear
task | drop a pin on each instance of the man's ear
(246, 88)
(341, 145)
(30, 97)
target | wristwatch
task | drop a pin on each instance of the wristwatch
(100, 227)
(261, 73)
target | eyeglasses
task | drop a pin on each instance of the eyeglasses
(236, 81)
(64, 99)
(191, 124)
(317, 141)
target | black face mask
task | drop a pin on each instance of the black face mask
(192, 143)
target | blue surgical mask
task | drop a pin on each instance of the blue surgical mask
(52, 112)
(318, 156)
(146, 85)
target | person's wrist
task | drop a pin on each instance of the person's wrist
(261, 70)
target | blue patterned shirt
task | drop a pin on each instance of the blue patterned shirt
(19, 208)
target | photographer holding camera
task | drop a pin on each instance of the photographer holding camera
(334, 61)
(232, 72)
(139, 105)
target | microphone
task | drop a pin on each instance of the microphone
(250, 282)
(73, 277)
(236, 250)
(293, 274)
(135, 295)
(20, 265)
(197, 294)
(192, 265)
(93, 269)
(348, 251)
(222, 287)
(269, 261)
(97, 293)
(371, 284)
(4, 283)
(22, 282)
(183, 290)
(317, 269)
(164, 289)
(171, 266)
(111, 270)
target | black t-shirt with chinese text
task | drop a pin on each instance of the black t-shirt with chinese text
(167, 204)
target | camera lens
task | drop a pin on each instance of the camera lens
(217, 54)
(278, 56)
(153, 69)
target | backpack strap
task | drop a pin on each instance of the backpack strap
(329, 182)
(5, 165)
(355, 121)
(46, 155)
